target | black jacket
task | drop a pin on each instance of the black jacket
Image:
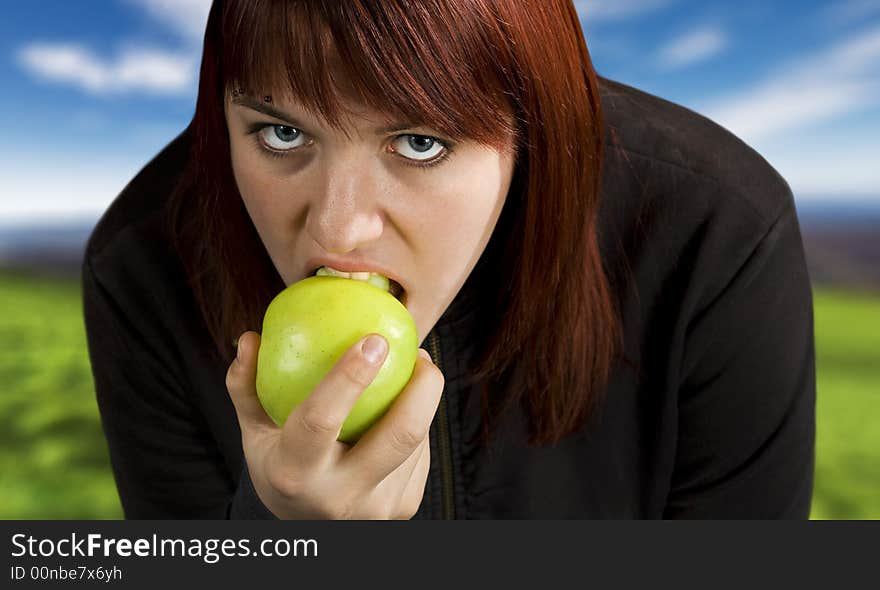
(714, 419)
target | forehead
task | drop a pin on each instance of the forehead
(352, 116)
(350, 105)
(351, 65)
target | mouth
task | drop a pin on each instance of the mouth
(375, 279)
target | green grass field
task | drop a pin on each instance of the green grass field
(848, 406)
(53, 457)
(54, 462)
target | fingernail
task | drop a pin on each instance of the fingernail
(373, 349)
(424, 354)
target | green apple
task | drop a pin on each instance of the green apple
(307, 328)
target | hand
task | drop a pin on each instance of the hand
(300, 470)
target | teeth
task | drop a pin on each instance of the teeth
(359, 275)
(373, 278)
(328, 271)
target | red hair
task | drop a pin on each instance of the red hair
(461, 67)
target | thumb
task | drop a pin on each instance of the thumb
(241, 381)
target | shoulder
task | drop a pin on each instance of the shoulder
(130, 269)
(684, 202)
(686, 158)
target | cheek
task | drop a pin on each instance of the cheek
(478, 191)
(252, 184)
(269, 205)
(260, 191)
(472, 196)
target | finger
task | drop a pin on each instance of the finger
(312, 428)
(389, 442)
(413, 489)
(395, 482)
(241, 383)
(390, 490)
(400, 482)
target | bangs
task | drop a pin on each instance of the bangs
(442, 64)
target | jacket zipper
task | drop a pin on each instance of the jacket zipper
(444, 440)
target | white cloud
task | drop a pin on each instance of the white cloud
(780, 107)
(695, 46)
(155, 71)
(840, 80)
(617, 10)
(186, 16)
(136, 70)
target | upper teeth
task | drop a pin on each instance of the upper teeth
(360, 276)
(373, 278)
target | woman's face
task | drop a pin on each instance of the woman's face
(403, 199)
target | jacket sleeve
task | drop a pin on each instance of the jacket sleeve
(747, 393)
(165, 461)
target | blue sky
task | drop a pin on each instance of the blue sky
(92, 90)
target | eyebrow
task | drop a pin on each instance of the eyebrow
(262, 107)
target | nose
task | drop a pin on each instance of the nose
(345, 213)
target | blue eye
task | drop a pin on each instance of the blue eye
(418, 147)
(420, 143)
(281, 137)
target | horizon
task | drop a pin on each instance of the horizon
(846, 210)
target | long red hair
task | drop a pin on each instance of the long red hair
(460, 67)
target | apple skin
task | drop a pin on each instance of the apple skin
(309, 326)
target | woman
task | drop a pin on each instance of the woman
(610, 290)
